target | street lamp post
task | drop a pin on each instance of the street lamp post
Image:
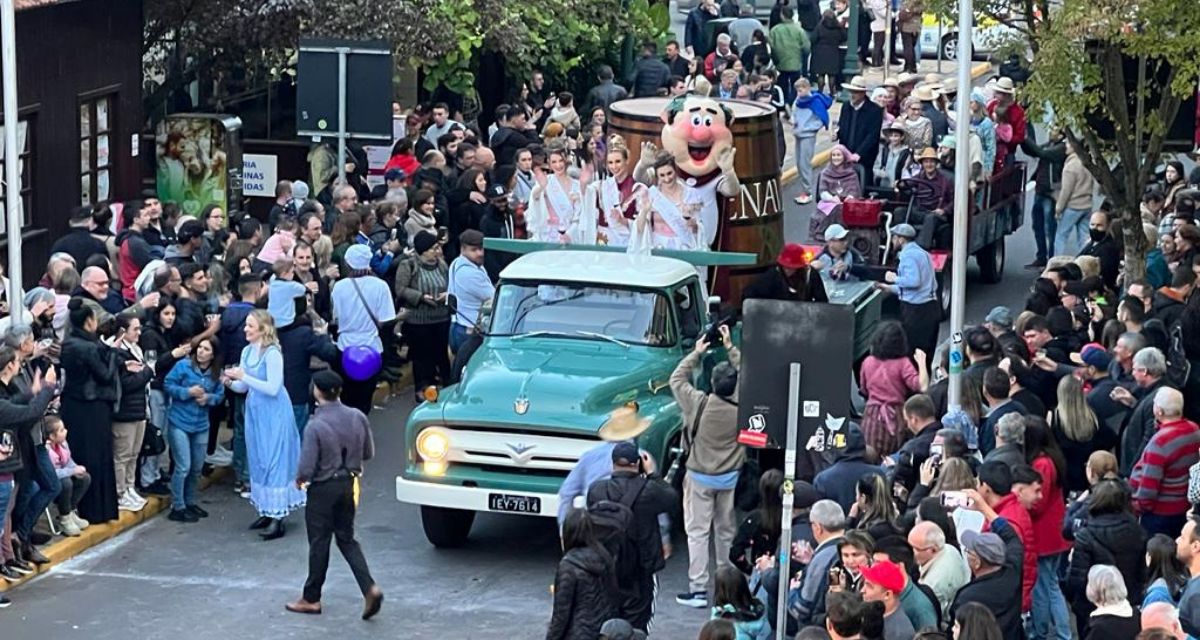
(12, 164)
(962, 198)
(850, 64)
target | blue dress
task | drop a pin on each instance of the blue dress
(272, 441)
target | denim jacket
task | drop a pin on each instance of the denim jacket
(185, 413)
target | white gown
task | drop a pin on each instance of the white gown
(553, 212)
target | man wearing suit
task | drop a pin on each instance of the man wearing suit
(860, 123)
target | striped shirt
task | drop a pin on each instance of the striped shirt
(1160, 477)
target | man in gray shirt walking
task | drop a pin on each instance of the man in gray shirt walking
(336, 443)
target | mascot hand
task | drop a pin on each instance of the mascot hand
(648, 152)
(725, 159)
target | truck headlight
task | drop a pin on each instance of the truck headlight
(433, 444)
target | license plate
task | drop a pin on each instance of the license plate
(514, 504)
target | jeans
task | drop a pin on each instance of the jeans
(73, 488)
(301, 412)
(6, 499)
(237, 414)
(458, 335)
(787, 80)
(805, 146)
(158, 416)
(1074, 222)
(1045, 225)
(36, 493)
(1170, 525)
(189, 449)
(1049, 605)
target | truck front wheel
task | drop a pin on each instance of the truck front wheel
(446, 528)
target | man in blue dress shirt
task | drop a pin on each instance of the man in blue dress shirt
(915, 283)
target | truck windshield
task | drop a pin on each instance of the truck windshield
(577, 310)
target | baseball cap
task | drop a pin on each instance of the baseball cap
(1000, 316)
(835, 232)
(497, 191)
(394, 174)
(358, 257)
(625, 453)
(987, 546)
(1093, 355)
(885, 574)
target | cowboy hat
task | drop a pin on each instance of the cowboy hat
(925, 93)
(623, 424)
(857, 83)
(934, 81)
(908, 78)
(891, 82)
(928, 153)
(950, 86)
(1004, 85)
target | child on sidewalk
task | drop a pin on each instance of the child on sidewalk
(75, 478)
(810, 114)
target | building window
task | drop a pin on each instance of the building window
(95, 127)
(25, 160)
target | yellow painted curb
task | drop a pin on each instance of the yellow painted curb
(821, 157)
(64, 549)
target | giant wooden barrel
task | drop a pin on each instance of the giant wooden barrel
(752, 221)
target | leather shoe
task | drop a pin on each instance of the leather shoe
(304, 606)
(39, 537)
(372, 602)
(31, 554)
(261, 523)
(273, 531)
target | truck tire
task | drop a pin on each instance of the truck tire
(943, 292)
(446, 528)
(991, 261)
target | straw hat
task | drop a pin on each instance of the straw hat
(1004, 85)
(857, 83)
(950, 86)
(891, 81)
(623, 424)
(925, 93)
(934, 81)
(908, 78)
(928, 153)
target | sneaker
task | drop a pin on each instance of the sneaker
(133, 496)
(23, 568)
(125, 503)
(803, 198)
(1036, 265)
(79, 522)
(67, 526)
(158, 488)
(9, 574)
(221, 457)
(4, 602)
(182, 515)
(245, 493)
(196, 511)
(695, 599)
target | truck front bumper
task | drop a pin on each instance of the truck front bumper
(433, 494)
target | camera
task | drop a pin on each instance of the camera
(712, 333)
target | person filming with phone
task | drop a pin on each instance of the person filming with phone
(714, 459)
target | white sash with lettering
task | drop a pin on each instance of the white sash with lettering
(670, 213)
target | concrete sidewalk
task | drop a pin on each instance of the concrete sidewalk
(874, 77)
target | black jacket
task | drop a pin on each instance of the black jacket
(300, 345)
(132, 406)
(649, 75)
(1110, 258)
(859, 129)
(80, 244)
(809, 13)
(1112, 538)
(773, 285)
(496, 224)
(89, 367)
(913, 454)
(1139, 427)
(161, 342)
(583, 595)
(751, 542)
(658, 497)
(999, 591)
(18, 413)
(603, 95)
(508, 141)
(694, 34)
(1166, 309)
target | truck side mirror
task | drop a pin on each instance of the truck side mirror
(714, 305)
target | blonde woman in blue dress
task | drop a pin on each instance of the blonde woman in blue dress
(272, 440)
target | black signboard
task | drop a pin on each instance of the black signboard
(368, 88)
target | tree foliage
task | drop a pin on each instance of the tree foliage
(187, 39)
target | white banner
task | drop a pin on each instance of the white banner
(259, 175)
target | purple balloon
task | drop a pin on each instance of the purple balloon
(361, 362)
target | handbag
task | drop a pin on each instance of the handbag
(153, 442)
(678, 467)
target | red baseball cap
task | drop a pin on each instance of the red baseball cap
(792, 257)
(885, 574)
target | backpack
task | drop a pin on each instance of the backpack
(1178, 366)
(615, 527)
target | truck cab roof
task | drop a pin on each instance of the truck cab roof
(616, 269)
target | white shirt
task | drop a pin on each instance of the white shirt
(470, 285)
(355, 326)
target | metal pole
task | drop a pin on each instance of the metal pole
(789, 475)
(939, 47)
(962, 200)
(12, 159)
(850, 64)
(887, 42)
(342, 52)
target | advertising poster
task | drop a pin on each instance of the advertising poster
(190, 158)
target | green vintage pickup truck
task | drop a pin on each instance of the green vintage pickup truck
(572, 336)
